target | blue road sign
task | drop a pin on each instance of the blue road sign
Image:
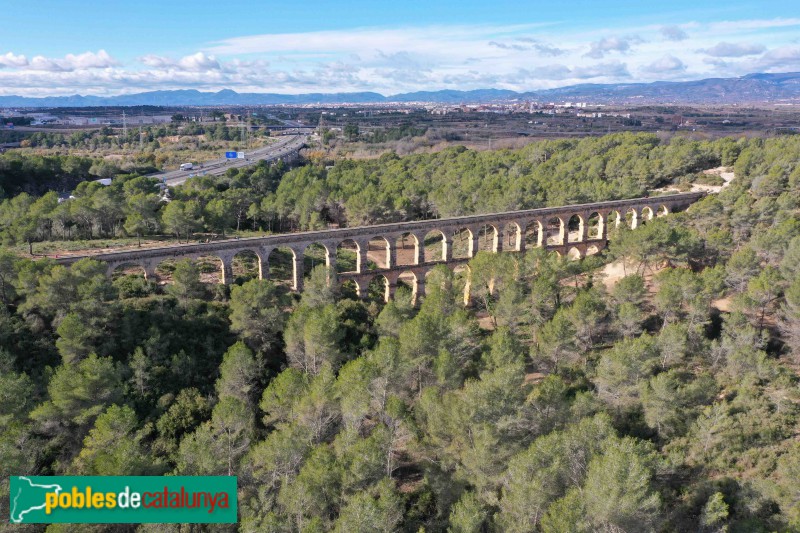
(230, 155)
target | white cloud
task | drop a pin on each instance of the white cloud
(156, 61)
(716, 62)
(519, 57)
(45, 63)
(611, 70)
(413, 39)
(667, 64)
(753, 24)
(72, 62)
(724, 49)
(198, 62)
(525, 44)
(554, 71)
(598, 49)
(783, 59)
(11, 60)
(673, 33)
(400, 59)
(88, 60)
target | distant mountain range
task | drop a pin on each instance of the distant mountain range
(753, 88)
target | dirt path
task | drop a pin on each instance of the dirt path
(613, 272)
(726, 173)
(107, 249)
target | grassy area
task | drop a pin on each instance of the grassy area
(55, 247)
(52, 248)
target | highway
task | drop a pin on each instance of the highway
(284, 147)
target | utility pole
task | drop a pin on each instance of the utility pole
(241, 123)
(124, 126)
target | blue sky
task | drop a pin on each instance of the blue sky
(113, 47)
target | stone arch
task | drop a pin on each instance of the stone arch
(647, 214)
(554, 230)
(213, 269)
(463, 244)
(348, 256)
(678, 207)
(592, 250)
(315, 254)
(435, 246)
(573, 254)
(575, 228)
(631, 218)
(462, 275)
(407, 250)
(534, 234)
(378, 289)
(410, 280)
(246, 265)
(449, 277)
(614, 219)
(511, 237)
(662, 211)
(595, 226)
(556, 253)
(164, 269)
(350, 288)
(282, 265)
(488, 239)
(379, 253)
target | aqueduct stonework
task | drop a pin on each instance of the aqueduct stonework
(573, 231)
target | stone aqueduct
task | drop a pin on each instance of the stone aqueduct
(573, 231)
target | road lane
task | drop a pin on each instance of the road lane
(284, 147)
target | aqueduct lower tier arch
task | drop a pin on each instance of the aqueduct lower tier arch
(520, 230)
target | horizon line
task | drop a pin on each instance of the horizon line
(383, 95)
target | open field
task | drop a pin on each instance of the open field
(168, 152)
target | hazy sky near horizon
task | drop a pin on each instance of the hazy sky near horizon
(57, 47)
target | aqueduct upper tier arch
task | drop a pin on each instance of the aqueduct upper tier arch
(366, 267)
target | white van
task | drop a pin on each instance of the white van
(187, 166)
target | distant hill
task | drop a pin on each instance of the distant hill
(753, 88)
(455, 97)
(189, 97)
